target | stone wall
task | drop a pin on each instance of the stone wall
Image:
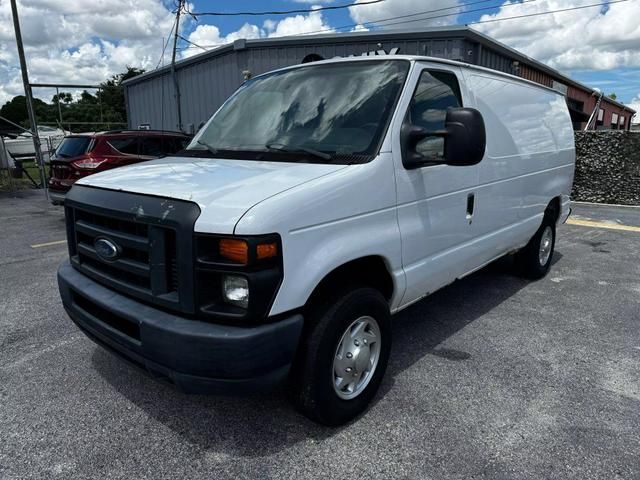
(607, 167)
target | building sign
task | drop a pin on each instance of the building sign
(560, 87)
(372, 53)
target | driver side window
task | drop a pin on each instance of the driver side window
(435, 93)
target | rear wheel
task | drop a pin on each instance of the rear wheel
(534, 260)
(343, 356)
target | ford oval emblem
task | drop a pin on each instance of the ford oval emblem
(106, 249)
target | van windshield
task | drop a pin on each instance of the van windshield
(324, 113)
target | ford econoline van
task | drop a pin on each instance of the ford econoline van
(316, 202)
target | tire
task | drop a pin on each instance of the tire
(534, 261)
(313, 375)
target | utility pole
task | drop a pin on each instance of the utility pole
(59, 108)
(173, 66)
(29, 95)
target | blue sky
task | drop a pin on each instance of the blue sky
(335, 18)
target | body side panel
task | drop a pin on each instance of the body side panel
(329, 222)
(529, 158)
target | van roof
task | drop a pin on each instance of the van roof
(419, 58)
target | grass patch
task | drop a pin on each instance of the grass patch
(8, 184)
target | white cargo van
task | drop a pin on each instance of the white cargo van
(316, 202)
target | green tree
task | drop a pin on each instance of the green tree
(108, 103)
(112, 95)
(87, 99)
(15, 110)
(612, 96)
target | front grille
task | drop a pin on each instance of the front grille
(133, 267)
(154, 236)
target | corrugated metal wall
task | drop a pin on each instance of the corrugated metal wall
(490, 59)
(205, 85)
(535, 75)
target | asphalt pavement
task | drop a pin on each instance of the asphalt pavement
(493, 377)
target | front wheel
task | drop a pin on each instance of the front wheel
(534, 260)
(342, 357)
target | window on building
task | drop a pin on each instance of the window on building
(600, 115)
(614, 121)
(435, 93)
(621, 123)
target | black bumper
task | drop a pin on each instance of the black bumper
(56, 197)
(196, 356)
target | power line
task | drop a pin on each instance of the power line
(283, 12)
(548, 12)
(481, 9)
(391, 18)
(192, 43)
(426, 12)
(164, 48)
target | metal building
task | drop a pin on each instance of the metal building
(163, 100)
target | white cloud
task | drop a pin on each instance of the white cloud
(208, 36)
(269, 24)
(80, 41)
(396, 8)
(589, 38)
(301, 24)
(87, 41)
(359, 28)
(635, 104)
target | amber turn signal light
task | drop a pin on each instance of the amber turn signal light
(234, 250)
(267, 250)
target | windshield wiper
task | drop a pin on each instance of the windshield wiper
(297, 149)
(208, 147)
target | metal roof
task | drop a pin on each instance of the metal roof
(456, 31)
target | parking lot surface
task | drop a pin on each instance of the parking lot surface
(492, 377)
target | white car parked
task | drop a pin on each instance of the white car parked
(316, 202)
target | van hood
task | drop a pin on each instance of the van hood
(223, 189)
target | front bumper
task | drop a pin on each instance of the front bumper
(56, 197)
(196, 356)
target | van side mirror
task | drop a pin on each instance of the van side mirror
(464, 136)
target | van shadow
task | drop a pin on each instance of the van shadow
(265, 424)
(423, 327)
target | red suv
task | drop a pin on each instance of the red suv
(83, 154)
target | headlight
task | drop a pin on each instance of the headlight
(235, 290)
(237, 277)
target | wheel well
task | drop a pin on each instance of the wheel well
(370, 271)
(553, 209)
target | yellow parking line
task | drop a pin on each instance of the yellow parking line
(597, 224)
(48, 244)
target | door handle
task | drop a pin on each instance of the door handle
(471, 200)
